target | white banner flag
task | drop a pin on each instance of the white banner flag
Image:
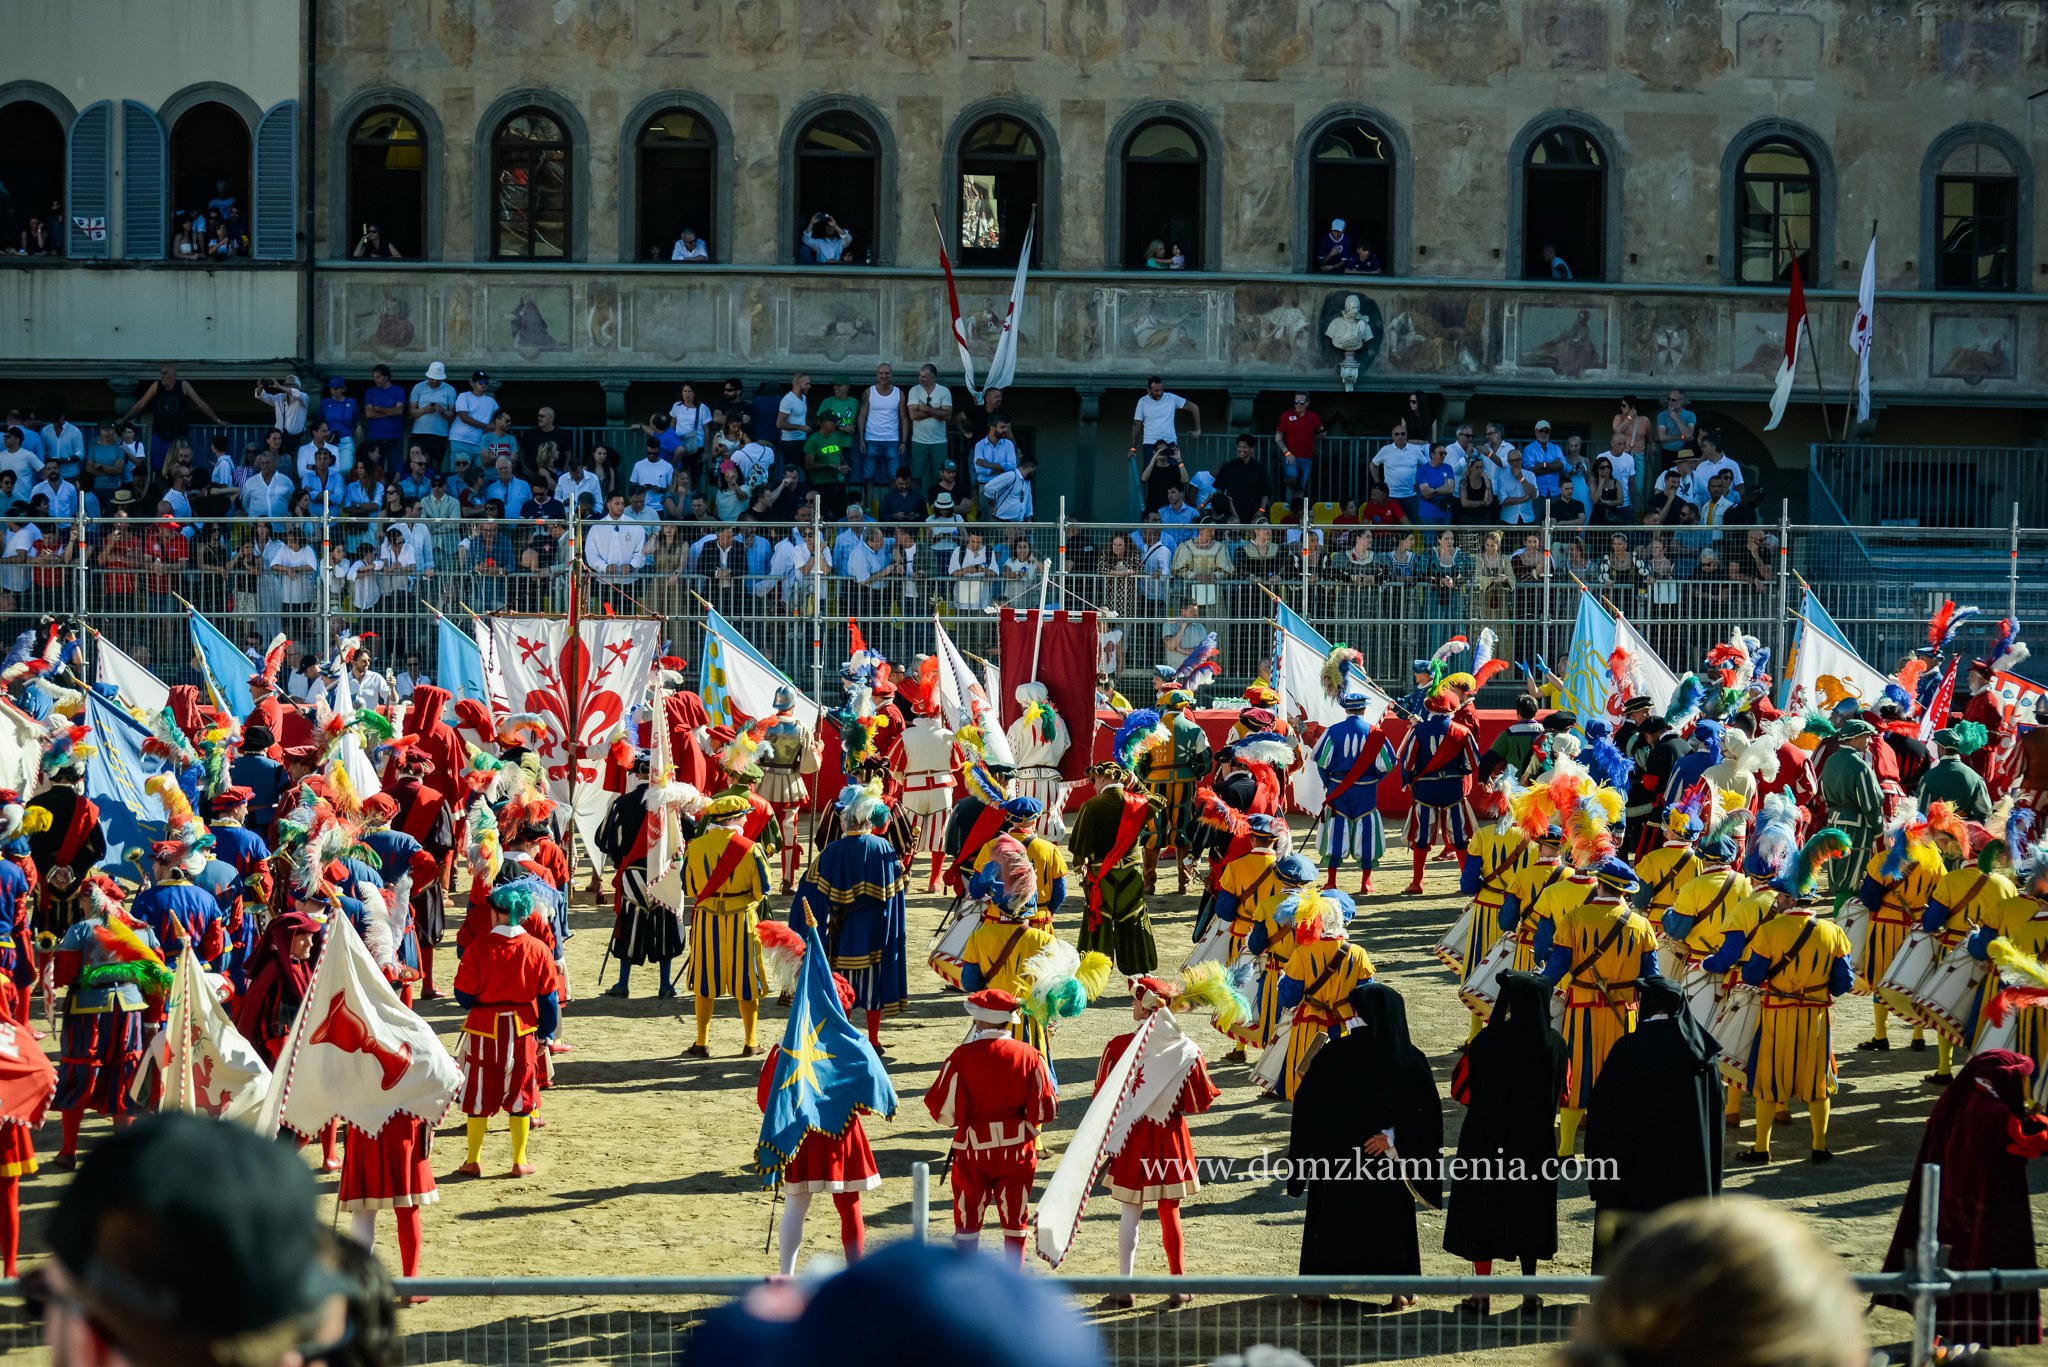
(1652, 675)
(204, 1063)
(494, 677)
(139, 687)
(965, 702)
(1861, 331)
(355, 761)
(356, 1053)
(21, 749)
(607, 668)
(1819, 653)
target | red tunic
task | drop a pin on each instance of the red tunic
(1992, 762)
(1157, 1162)
(268, 713)
(549, 862)
(684, 712)
(393, 1170)
(506, 973)
(1797, 777)
(822, 1162)
(995, 1092)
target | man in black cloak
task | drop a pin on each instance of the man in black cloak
(1509, 1081)
(1660, 1129)
(1367, 1100)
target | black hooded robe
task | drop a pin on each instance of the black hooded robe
(1512, 1076)
(1361, 1216)
(1656, 1117)
(1984, 1216)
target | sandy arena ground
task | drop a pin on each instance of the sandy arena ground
(631, 1127)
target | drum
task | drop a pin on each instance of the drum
(1272, 1063)
(1855, 924)
(1703, 990)
(1918, 957)
(1450, 948)
(1736, 1022)
(951, 941)
(1480, 990)
(1947, 995)
(1213, 948)
(1999, 1036)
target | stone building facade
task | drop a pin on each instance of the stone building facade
(1678, 154)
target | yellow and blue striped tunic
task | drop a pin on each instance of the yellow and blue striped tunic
(1606, 947)
(1793, 1058)
(725, 956)
(1328, 971)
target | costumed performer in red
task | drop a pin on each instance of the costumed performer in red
(997, 1093)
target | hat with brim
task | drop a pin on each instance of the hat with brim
(1616, 875)
(1354, 700)
(1639, 703)
(1264, 826)
(1852, 728)
(727, 807)
(992, 1006)
(1296, 870)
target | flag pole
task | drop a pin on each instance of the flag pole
(1813, 335)
(1038, 635)
(575, 703)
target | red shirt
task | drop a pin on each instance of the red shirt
(1386, 514)
(995, 1092)
(1298, 433)
(505, 972)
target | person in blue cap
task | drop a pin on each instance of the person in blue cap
(1353, 756)
(1410, 703)
(1597, 950)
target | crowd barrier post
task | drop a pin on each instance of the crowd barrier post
(1060, 550)
(1928, 1284)
(1307, 568)
(818, 604)
(83, 579)
(326, 578)
(2012, 572)
(1548, 569)
(920, 1201)
(1779, 644)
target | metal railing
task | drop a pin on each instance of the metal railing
(645, 1321)
(1395, 593)
(1867, 483)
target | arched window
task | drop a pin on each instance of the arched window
(838, 176)
(1977, 219)
(677, 183)
(387, 184)
(210, 168)
(1001, 179)
(1351, 177)
(1564, 218)
(1776, 194)
(32, 170)
(530, 187)
(1164, 191)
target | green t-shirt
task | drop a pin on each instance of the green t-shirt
(846, 410)
(825, 456)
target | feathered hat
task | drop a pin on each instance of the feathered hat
(1800, 877)
(186, 843)
(1060, 982)
(919, 689)
(65, 752)
(2007, 651)
(1142, 731)
(1201, 666)
(1007, 881)
(273, 661)
(1344, 674)
(1603, 758)
(1947, 621)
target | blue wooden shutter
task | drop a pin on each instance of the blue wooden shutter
(277, 184)
(89, 183)
(145, 193)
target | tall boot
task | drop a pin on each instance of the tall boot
(1420, 858)
(938, 865)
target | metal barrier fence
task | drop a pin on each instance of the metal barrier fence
(1393, 592)
(1929, 486)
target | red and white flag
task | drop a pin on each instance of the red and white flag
(1795, 337)
(1861, 332)
(1002, 366)
(356, 1053)
(203, 1063)
(1936, 715)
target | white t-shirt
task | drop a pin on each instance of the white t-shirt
(1707, 469)
(653, 474)
(25, 463)
(294, 588)
(1397, 466)
(479, 409)
(691, 424)
(793, 407)
(885, 414)
(932, 430)
(1157, 415)
(1624, 473)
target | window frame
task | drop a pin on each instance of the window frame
(341, 238)
(1821, 255)
(2020, 176)
(724, 171)
(502, 147)
(1210, 198)
(1612, 230)
(1394, 252)
(1046, 237)
(578, 218)
(882, 245)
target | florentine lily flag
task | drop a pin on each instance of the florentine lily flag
(1860, 332)
(1795, 337)
(203, 1063)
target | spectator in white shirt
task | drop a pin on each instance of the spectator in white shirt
(19, 549)
(789, 568)
(652, 471)
(1622, 463)
(870, 557)
(1714, 461)
(16, 456)
(64, 444)
(1153, 419)
(1396, 464)
(615, 547)
(268, 491)
(411, 677)
(946, 524)
(930, 409)
(294, 562)
(689, 247)
(60, 494)
(639, 510)
(971, 567)
(1009, 493)
(287, 401)
(577, 482)
(880, 430)
(474, 409)
(319, 438)
(1497, 447)
(755, 462)
(368, 687)
(691, 421)
(830, 244)
(1515, 488)
(793, 421)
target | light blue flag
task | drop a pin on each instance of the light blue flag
(459, 662)
(1809, 608)
(114, 774)
(227, 668)
(1818, 615)
(1587, 679)
(1295, 625)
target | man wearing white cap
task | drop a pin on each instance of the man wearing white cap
(1544, 459)
(432, 405)
(1333, 253)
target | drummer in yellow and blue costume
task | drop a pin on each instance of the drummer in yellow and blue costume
(1962, 899)
(1270, 943)
(1321, 973)
(1596, 951)
(1997, 905)
(1251, 887)
(1496, 853)
(2022, 923)
(1896, 886)
(1802, 964)
(1020, 820)
(1711, 918)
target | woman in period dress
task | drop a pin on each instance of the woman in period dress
(1509, 1081)
(1360, 1089)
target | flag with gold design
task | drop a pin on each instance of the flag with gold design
(822, 1074)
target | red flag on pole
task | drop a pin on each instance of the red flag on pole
(1936, 715)
(1795, 336)
(953, 300)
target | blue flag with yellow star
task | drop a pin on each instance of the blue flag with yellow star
(826, 1072)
